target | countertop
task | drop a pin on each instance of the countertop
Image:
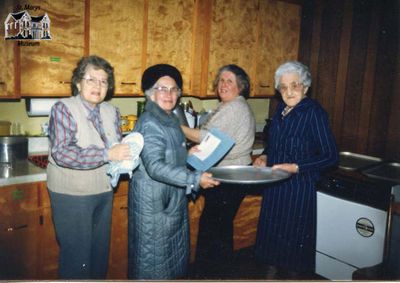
(21, 172)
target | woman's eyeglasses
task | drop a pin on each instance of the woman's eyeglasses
(294, 86)
(164, 90)
(95, 82)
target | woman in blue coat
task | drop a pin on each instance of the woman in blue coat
(300, 141)
(158, 227)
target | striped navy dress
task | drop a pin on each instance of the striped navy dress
(287, 224)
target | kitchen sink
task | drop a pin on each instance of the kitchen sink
(354, 161)
(386, 171)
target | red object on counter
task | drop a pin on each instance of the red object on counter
(39, 160)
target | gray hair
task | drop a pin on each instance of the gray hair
(293, 67)
(149, 92)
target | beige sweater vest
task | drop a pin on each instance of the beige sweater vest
(90, 181)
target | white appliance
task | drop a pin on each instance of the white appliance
(351, 227)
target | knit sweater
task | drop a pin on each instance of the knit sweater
(236, 119)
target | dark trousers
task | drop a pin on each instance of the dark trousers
(82, 225)
(215, 238)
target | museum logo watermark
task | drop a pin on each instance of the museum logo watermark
(27, 29)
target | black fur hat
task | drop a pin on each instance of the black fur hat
(153, 73)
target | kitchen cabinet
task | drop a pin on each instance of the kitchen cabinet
(278, 41)
(8, 58)
(48, 249)
(257, 35)
(116, 34)
(46, 66)
(19, 227)
(233, 36)
(168, 36)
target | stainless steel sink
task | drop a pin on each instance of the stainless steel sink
(386, 171)
(354, 161)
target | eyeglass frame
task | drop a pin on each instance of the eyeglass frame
(172, 90)
(294, 86)
(95, 82)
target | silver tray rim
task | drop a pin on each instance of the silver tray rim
(283, 174)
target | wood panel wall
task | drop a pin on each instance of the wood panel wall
(352, 48)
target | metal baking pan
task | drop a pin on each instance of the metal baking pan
(385, 171)
(248, 174)
(354, 161)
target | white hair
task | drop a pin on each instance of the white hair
(293, 67)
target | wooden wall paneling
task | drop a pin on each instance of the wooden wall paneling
(325, 87)
(392, 150)
(384, 96)
(337, 112)
(368, 82)
(357, 59)
(169, 35)
(202, 18)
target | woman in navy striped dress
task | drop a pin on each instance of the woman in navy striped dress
(299, 141)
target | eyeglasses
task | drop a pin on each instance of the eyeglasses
(95, 82)
(294, 86)
(164, 90)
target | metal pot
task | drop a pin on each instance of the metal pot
(13, 149)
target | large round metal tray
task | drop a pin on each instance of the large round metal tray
(247, 174)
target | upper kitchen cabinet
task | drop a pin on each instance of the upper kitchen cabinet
(233, 36)
(279, 35)
(46, 65)
(257, 35)
(168, 36)
(116, 34)
(8, 59)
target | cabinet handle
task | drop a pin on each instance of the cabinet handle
(10, 229)
(128, 83)
(2, 83)
(123, 207)
(264, 85)
(64, 82)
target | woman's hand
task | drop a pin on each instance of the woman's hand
(206, 181)
(194, 149)
(289, 167)
(260, 161)
(119, 152)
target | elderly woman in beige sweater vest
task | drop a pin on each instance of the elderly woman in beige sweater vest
(82, 130)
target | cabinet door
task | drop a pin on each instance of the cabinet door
(46, 67)
(116, 33)
(118, 262)
(7, 62)
(233, 36)
(169, 36)
(278, 42)
(19, 222)
(48, 249)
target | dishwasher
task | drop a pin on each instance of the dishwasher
(352, 223)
